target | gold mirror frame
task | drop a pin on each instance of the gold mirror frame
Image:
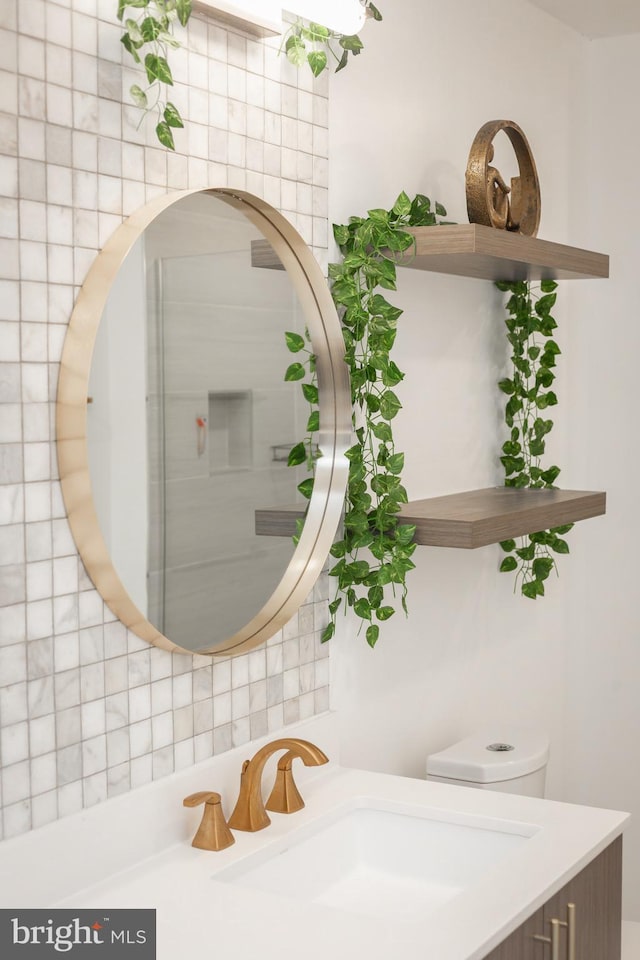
(325, 506)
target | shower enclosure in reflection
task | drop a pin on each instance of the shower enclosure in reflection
(218, 405)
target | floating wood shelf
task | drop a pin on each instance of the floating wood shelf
(227, 12)
(472, 250)
(471, 519)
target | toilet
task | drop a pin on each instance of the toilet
(500, 757)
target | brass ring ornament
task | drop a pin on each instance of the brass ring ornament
(490, 201)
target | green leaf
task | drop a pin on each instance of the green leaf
(389, 405)
(296, 51)
(340, 235)
(385, 613)
(382, 431)
(306, 488)
(542, 567)
(527, 553)
(374, 11)
(164, 135)
(544, 304)
(172, 116)
(169, 39)
(338, 549)
(295, 342)
(373, 632)
(562, 530)
(123, 4)
(328, 632)
(530, 589)
(183, 9)
(138, 95)
(560, 546)
(134, 31)
(548, 286)
(375, 594)
(402, 206)
(310, 392)
(127, 43)
(395, 463)
(317, 60)
(508, 545)
(392, 375)
(344, 59)
(440, 210)
(295, 371)
(334, 606)
(158, 69)
(313, 423)
(405, 532)
(297, 455)
(362, 608)
(150, 29)
(316, 32)
(551, 475)
(352, 43)
(507, 386)
(508, 564)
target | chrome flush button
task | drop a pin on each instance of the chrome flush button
(500, 747)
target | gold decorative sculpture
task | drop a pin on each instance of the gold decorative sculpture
(490, 200)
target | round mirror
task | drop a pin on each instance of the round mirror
(177, 415)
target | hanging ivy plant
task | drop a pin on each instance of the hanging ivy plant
(313, 44)
(148, 37)
(530, 329)
(374, 555)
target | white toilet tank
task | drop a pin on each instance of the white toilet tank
(506, 758)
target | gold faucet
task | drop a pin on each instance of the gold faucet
(213, 832)
(249, 812)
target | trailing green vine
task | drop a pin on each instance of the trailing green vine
(374, 555)
(150, 35)
(153, 31)
(530, 329)
(323, 43)
(306, 451)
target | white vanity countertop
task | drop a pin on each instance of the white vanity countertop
(200, 916)
(205, 917)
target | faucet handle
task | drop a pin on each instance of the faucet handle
(285, 796)
(213, 832)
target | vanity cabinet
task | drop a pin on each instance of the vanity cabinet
(596, 893)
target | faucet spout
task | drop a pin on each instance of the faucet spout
(249, 812)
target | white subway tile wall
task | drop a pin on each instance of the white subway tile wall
(88, 711)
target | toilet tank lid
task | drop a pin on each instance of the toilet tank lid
(492, 755)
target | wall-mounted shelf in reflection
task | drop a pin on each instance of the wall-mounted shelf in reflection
(472, 250)
(263, 255)
(471, 519)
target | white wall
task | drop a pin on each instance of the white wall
(603, 706)
(471, 651)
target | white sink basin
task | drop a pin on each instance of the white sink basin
(375, 861)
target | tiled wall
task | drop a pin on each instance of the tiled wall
(88, 711)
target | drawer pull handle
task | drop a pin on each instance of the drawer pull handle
(554, 939)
